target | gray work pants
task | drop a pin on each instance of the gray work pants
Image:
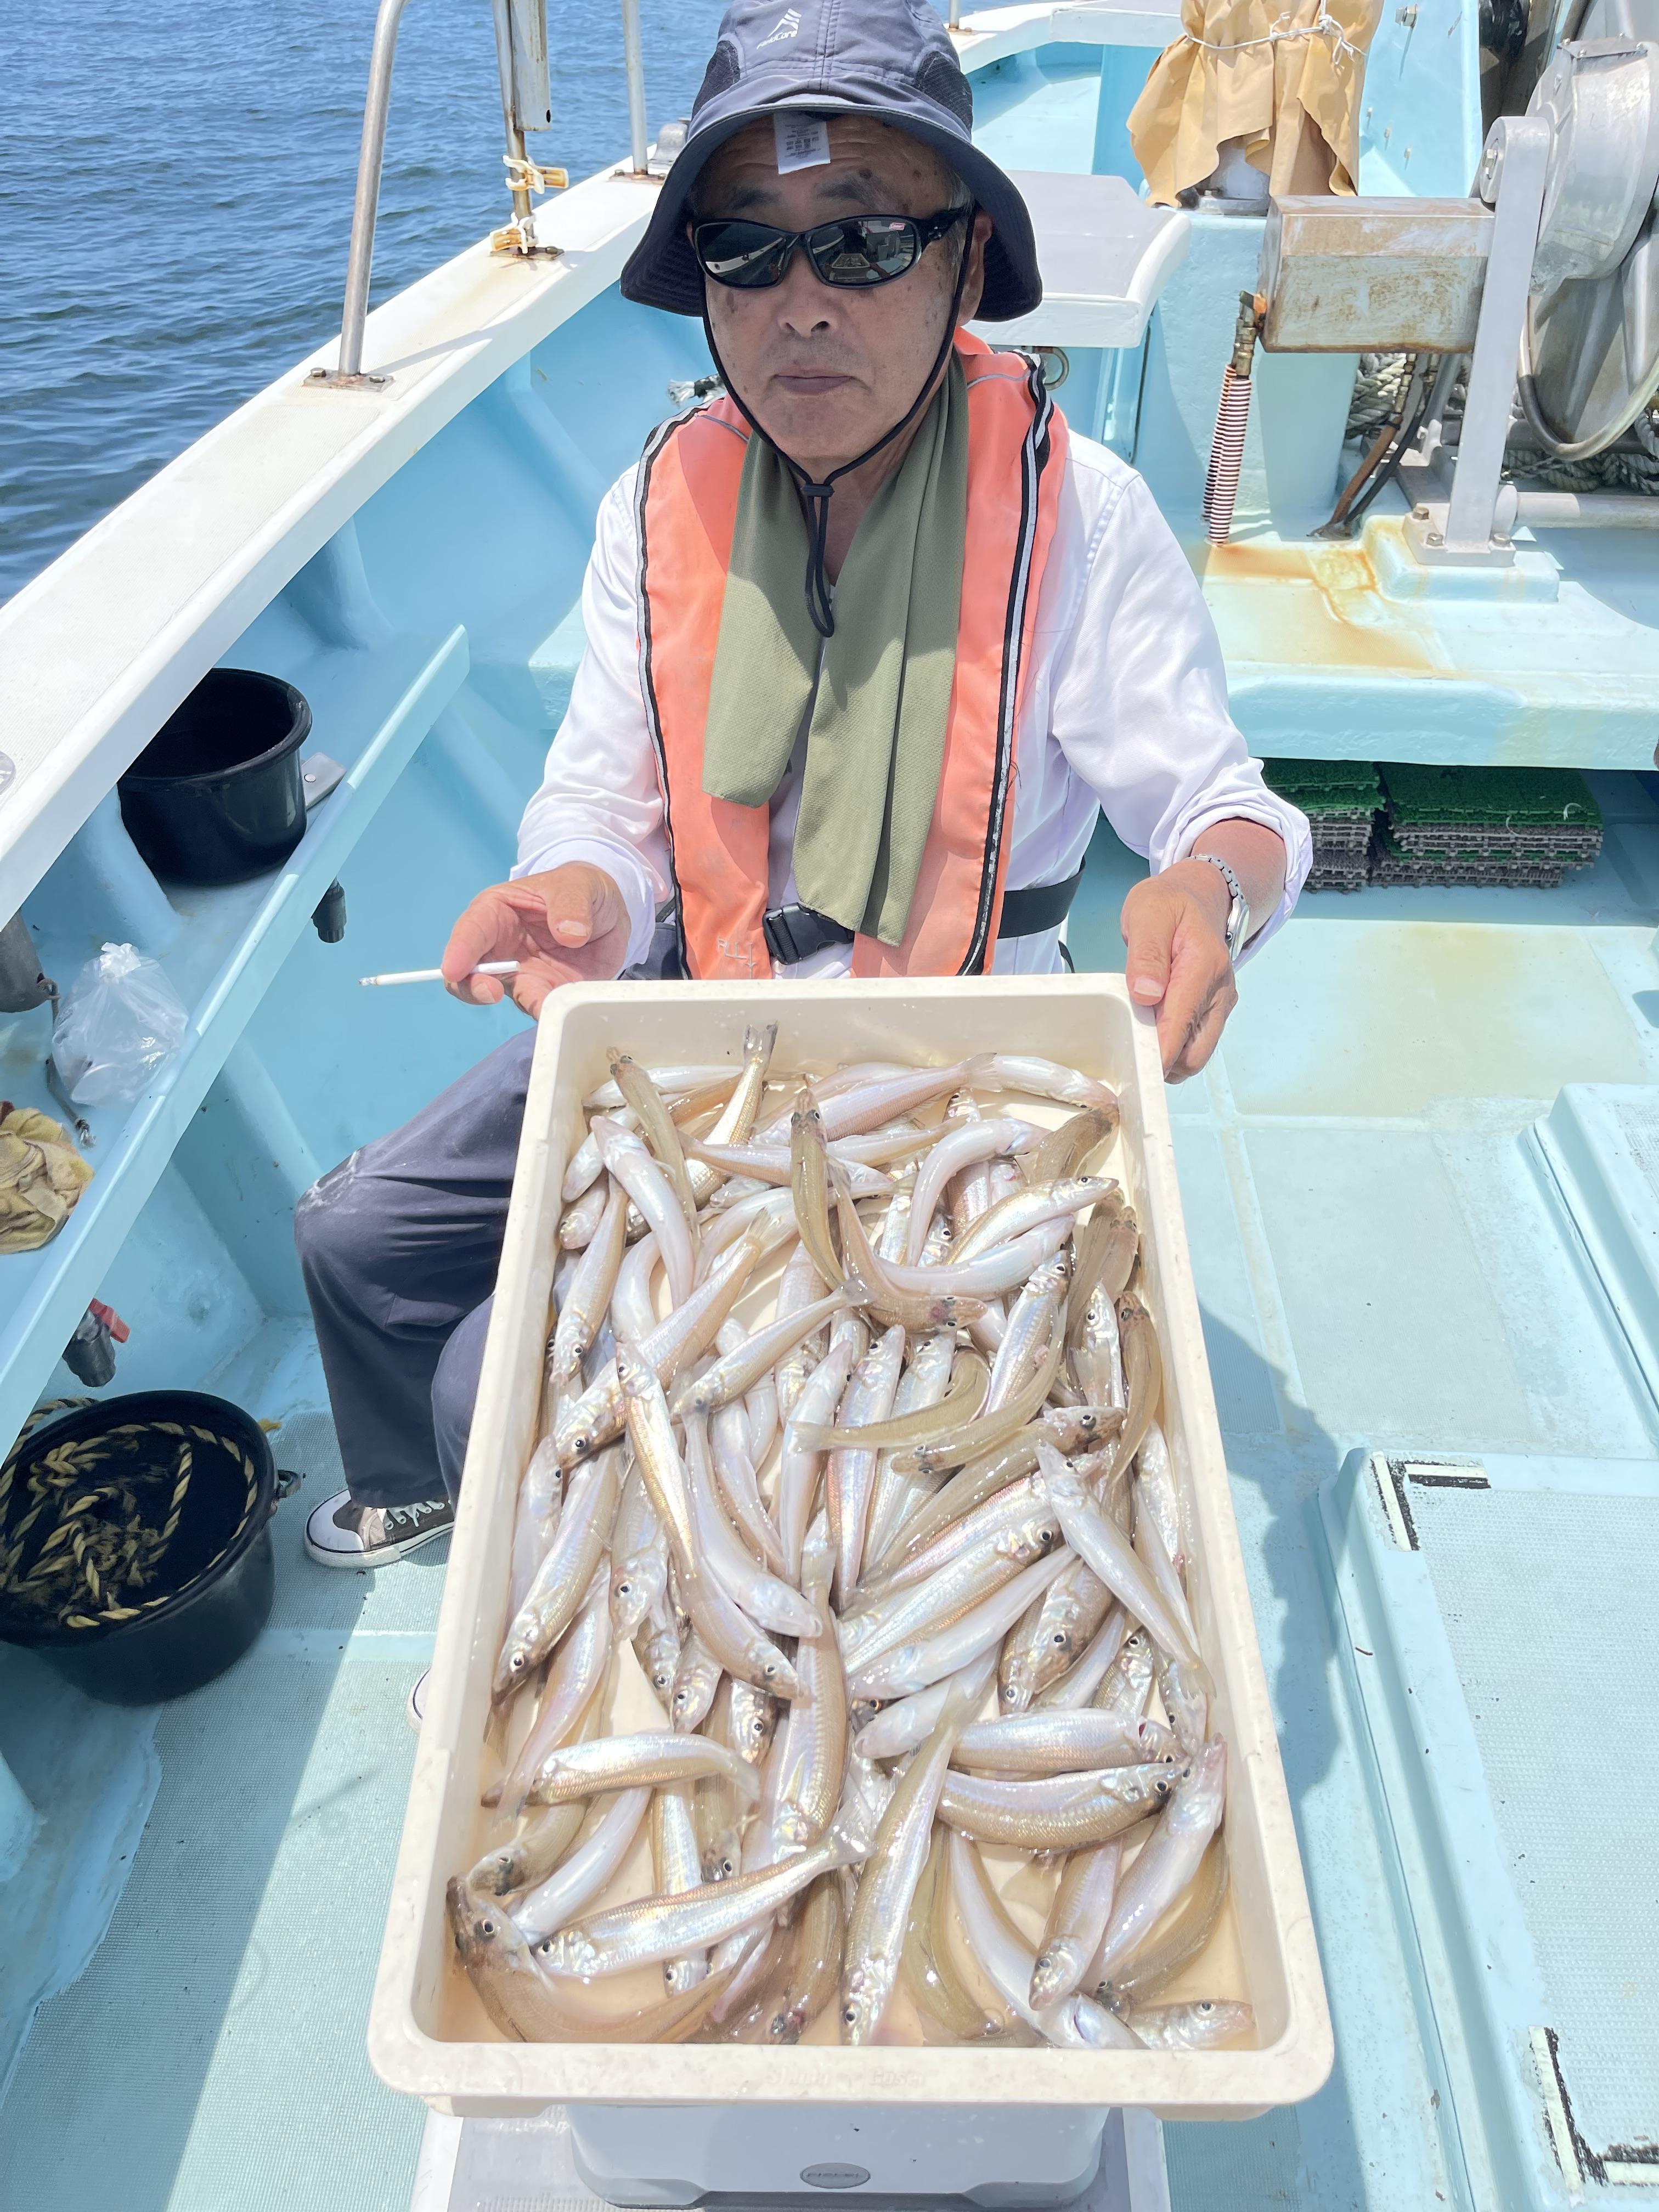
(400, 1246)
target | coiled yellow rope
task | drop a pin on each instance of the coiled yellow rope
(109, 1506)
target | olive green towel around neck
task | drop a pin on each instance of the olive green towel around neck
(881, 697)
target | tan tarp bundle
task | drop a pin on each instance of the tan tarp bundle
(41, 1176)
(1285, 82)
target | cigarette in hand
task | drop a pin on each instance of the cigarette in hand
(436, 975)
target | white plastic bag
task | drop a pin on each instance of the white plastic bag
(121, 1019)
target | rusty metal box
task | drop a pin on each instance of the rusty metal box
(1358, 275)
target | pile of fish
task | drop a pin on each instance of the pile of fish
(930, 1488)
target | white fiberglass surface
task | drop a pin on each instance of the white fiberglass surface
(1038, 111)
(1511, 1568)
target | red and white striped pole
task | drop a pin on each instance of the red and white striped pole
(1231, 419)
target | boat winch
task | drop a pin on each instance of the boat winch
(1546, 277)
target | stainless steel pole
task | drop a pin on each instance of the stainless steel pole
(361, 257)
(1589, 510)
(634, 56)
(515, 145)
(1514, 170)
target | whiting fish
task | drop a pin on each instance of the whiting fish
(860, 1537)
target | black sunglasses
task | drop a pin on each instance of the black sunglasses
(853, 251)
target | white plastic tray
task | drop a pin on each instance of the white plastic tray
(428, 2033)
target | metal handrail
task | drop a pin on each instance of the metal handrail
(634, 60)
(510, 117)
(371, 153)
(360, 259)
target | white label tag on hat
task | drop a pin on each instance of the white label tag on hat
(803, 142)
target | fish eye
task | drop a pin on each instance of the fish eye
(850, 2014)
(486, 1927)
(1058, 1639)
(516, 1662)
(1205, 2005)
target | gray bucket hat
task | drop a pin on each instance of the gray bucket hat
(889, 58)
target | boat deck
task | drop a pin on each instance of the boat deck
(1385, 1264)
(1391, 1263)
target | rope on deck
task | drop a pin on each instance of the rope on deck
(1380, 384)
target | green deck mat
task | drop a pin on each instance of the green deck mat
(1489, 797)
(1319, 787)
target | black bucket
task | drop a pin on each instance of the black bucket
(211, 1591)
(217, 795)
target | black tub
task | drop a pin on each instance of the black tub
(217, 795)
(212, 1593)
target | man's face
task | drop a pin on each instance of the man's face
(826, 369)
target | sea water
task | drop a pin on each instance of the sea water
(176, 180)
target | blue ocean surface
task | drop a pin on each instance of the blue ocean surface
(176, 181)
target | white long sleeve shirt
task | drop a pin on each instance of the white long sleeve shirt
(1126, 714)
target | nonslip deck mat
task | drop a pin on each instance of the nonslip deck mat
(1341, 800)
(1325, 787)
(1419, 792)
(1335, 834)
(1527, 842)
(1419, 826)
(1485, 824)
(1391, 863)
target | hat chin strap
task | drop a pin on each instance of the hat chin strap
(816, 496)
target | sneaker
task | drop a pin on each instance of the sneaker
(417, 1708)
(340, 1534)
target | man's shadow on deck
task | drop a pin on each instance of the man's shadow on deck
(1305, 2154)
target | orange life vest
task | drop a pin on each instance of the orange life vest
(718, 851)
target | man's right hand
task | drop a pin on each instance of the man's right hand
(568, 925)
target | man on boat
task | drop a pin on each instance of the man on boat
(871, 641)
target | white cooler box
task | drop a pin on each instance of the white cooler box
(670, 2124)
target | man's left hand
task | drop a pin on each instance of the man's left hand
(1175, 929)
